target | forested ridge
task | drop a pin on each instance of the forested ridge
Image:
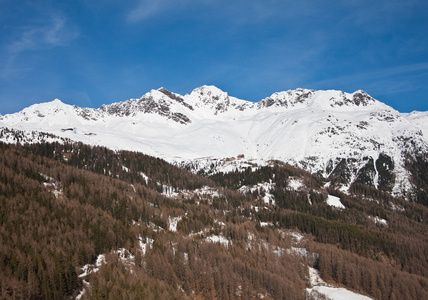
(63, 206)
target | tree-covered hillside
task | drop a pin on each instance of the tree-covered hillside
(88, 222)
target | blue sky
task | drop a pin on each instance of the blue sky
(89, 52)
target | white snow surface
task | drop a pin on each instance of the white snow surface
(307, 128)
(335, 202)
(379, 221)
(218, 239)
(295, 184)
(144, 243)
(330, 291)
(93, 268)
(298, 251)
(420, 119)
(172, 223)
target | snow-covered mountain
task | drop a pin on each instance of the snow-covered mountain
(332, 133)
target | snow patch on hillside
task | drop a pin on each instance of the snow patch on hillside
(145, 177)
(335, 202)
(145, 243)
(263, 190)
(320, 287)
(172, 223)
(295, 184)
(302, 252)
(379, 221)
(218, 239)
(52, 185)
(297, 236)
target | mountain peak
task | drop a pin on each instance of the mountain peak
(209, 94)
(46, 107)
(210, 97)
(56, 100)
(208, 89)
(360, 97)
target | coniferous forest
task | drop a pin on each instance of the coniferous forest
(87, 222)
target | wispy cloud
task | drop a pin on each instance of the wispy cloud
(36, 35)
(240, 11)
(145, 9)
(49, 34)
(148, 8)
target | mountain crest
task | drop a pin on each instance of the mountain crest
(159, 102)
(329, 99)
(175, 97)
(216, 101)
(210, 97)
(359, 98)
(326, 132)
(290, 98)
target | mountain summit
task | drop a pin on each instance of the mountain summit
(332, 133)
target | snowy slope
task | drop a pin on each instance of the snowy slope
(315, 130)
(420, 119)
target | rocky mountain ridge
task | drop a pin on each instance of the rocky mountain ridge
(338, 135)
